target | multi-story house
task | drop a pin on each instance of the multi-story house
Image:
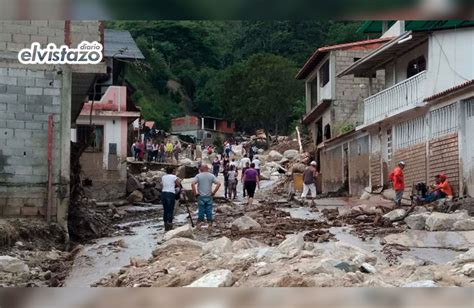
(424, 115)
(333, 108)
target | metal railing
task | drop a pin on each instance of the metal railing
(395, 99)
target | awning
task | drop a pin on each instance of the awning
(379, 57)
(316, 112)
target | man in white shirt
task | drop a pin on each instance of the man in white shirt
(168, 196)
(256, 161)
(244, 161)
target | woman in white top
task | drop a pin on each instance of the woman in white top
(256, 161)
(168, 196)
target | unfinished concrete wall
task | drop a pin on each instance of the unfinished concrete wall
(358, 165)
(28, 95)
(444, 157)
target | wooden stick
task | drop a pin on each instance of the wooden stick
(299, 139)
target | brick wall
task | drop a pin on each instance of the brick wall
(444, 157)
(416, 164)
(28, 94)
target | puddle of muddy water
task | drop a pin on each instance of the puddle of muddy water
(303, 213)
(98, 259)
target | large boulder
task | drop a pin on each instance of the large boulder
(135, 196)
(218, 247)
(178, 243)
(442, 221)
(388, 194)
(274, 156)
(366, 209)
(183, 231)
(416, 221)
(185, 161)
(214, 279)
(133, 184)
(420, 284)
(292, 245)
(290, 154)
(12, 265)
(464, 225)
(467, 257)
(245, 223)
(395, 214)
(298, 168)
(468, 269)
(245, 243)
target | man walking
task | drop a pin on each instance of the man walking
(168, 197)
(397, 178)
(309, 176)
(204, 194)
(256, 162)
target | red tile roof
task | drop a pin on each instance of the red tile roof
(452, 90)
(321, 52)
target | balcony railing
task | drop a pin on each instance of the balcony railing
(391, 101)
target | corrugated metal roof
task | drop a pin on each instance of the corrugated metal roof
(321, 52)
(375, 26)
(120, 44)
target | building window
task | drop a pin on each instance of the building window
(314, 93)
(469, 107)
(229, 124)
(443, 120)
(324, 73)
(416, 66)
(94, 139)
(410, 132)
(327, 131)
(208, 135)
(389, 145)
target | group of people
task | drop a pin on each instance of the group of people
(156, 151)
(439, 189)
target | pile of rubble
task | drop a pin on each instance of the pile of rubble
(184, 261)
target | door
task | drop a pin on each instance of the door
(468, 155)
(345, 159)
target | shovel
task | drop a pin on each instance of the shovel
(186, 200)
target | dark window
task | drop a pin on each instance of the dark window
(95, 140)
(324, 73)
(416, 66)
(208, 135)
(314, 93)
(319, 132)
(229, 124)
(327, 131)
(208, 123)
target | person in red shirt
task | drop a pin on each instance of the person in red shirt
(397, 178)
(441, 189)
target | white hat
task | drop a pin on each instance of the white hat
(401, 163)
(313, 163)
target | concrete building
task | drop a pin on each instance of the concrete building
(30, 95)
(334, 108)
(113, 111)
(424, 114)
(203, 129)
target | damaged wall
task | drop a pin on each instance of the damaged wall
(358, 165)
(331, 169)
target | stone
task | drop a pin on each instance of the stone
(323, 266)
(293, 244)
(346, 267)
(263, 269)
(245, 243)
(368, 268)
(290, 154)
(420, 284)
(298, 168)
(468, 269)
(395, 214)
(218, 247)
(53, 255)
(442, 221)
(416, 221)
(388, 194)
(464, 225)
(245, 223)
(13, 265)
(183, 231)
(467, 257)
(274, 156)
(344, 211)
(365, 196)
(135, 196)
(366, 209)
(265, 175)
(284, 161)
(352, 254)
(224, 209)
(178, 242)
(137, 262)
(214, 279)
(185, 161)
(133, 184)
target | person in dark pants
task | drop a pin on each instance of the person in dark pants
(216, 164)
(251, 182)
(246, 166)
(168, 196)
(202, 189)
